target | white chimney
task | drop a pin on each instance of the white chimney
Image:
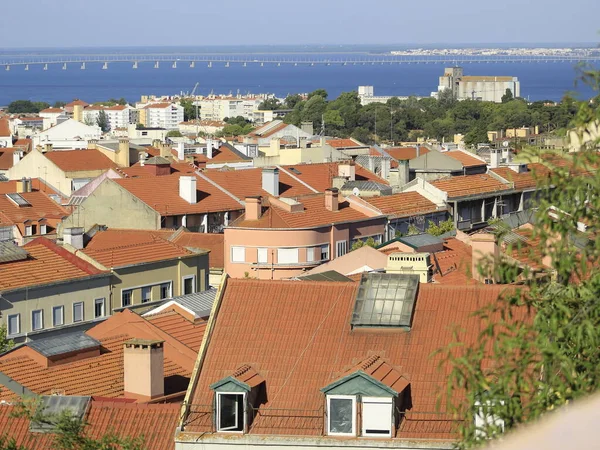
(385, 168)
(74, 237)
(180, 151)
(17, 155)
(495, 158)
(187, 189)
(209, 148)
(270, 180)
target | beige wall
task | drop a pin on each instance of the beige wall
(23, 302)
(36, 165)
(154, 274)
(115, 207)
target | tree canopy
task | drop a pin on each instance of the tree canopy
(26, 106)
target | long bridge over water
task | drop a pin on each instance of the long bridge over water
(176, 60)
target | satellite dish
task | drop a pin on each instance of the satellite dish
(505, 144)
(356, 191)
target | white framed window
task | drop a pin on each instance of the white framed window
(58, 316)
(14, 324)
(325, 252)
(126, 295)
(341, 248)
(262, 256)
(230, 411)
(146, 294)
(28, 230)
(189, 284)
(78, 312)
(43, 228)
(238, 254)
(37, 319)
(377, 416)
(310, 254)
(165, 290)
(99, 307)
(287, 256)
(341, 415)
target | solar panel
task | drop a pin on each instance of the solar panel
(385, 300)
(18, 199)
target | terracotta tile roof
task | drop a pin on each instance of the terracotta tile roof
(158, 106)
(301, 347)
(118, 248)
(167, 202)
(526, 180)
(465, 159)
(402, 204)
(52, 111)
(406, 153)
(47, 263)
(155, 422)
(343, 143)
(117, 108)
(8, 187)
(453, 265)
(100, 375)
(248, 182)
(24, 144)
(320, 176)
(465, 185)
(42, 206)
(210, 241)
(379, 369)
(4, 128)
(313, 215)
(528, 252)
(80, 160)
(185, 331)
(6, 158)
(223, 154)
(76, 102)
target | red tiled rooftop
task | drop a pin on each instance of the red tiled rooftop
(454, 264)
(76, 102)
(406, 153)
(210, 241)
(41, 206)
(185, 331)
(526, 180)
(402, 204)
(343, 143)
(465, 185)
(80, 160)
(4, 128)
(8, 187)
(465, 159)
(221, 155)
(52, 111)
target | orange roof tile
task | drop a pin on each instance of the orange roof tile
(167, 202)
(301, 347)
(453, 265)
(402, 204)
(100, 375)
(343, 143)
(24, 144)
(76, 102)
(6, 158)
(223, 154)
(4, 128)
(118, 248)
(154, 422)
(52, 111)
(210, 241)
(465, 159)
(465, 185)
(41, 206)
(80, 160)
(405, 153)
(47, 263)
(526, 180)
(158, 105)
(8, 187)
(320, 176)
(185, 331)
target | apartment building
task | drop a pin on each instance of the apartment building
(162, 115)
(118, 116)
(221, 107)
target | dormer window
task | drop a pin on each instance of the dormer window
(28, 230)
(230, 411)
(43, 229)
(341, 415)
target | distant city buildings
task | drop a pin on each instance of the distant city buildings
(486, 88)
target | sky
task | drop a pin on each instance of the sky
(127, 23)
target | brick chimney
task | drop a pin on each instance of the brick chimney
(143, 369)
(253, 208)
(331, 199)
(485, 253)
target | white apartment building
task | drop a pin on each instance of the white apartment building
(118, 116)
(219, 108)
(51, 116)
(164, 115)
(485, 88)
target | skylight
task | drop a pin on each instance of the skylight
(294, 170)
(18, 199)
(385, 300)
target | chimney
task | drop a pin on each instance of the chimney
(78, 113)
(348, 170)
(323, 141)
(385, 168)
(275, 146)
(303, 143)
(142, 158)
(156, 143)
(143, 369)
(495, 158)
(417, 151)
(165, 151)
(47, 148)
(253, 208)
(17, 155)
(403, 172)
(331, 199)
(270, 180)
(180, 151)
(187, 189)
(209, 148)
(74, 237)
(92, 144)
(123, 153)
(307, 127)
(485, 254)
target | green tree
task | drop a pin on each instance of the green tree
(174, 133)
(5, 343)
(519, 369)
(59, 104)
(270, 104)
(291, 101)
(443, 227)
(508, 96)
(189, 109)
(26, 106)
(318, 92)
(102, 121)
(369, 242)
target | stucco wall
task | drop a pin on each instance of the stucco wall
(36, 165)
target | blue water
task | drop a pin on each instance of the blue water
(539, 81)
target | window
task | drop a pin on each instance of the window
(43, 228)
(37, 320)
(165, 290)
(58, 316)
(238, 254)
(230, 412)
(341, 415)
(324, 252)
(146, 294)
(377, 416)
(98, 308)
(28, 230)
(126, 297)
(340, 248)
(287, 256)
(189, 285)
(78, 312)
(14, 324)
(262, 257)
(310, 254)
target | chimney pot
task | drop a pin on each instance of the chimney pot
(332, 199)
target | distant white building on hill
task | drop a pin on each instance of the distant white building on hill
(485, 88)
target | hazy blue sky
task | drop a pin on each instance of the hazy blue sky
(36, 23)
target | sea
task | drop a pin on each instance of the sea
(539, 80)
